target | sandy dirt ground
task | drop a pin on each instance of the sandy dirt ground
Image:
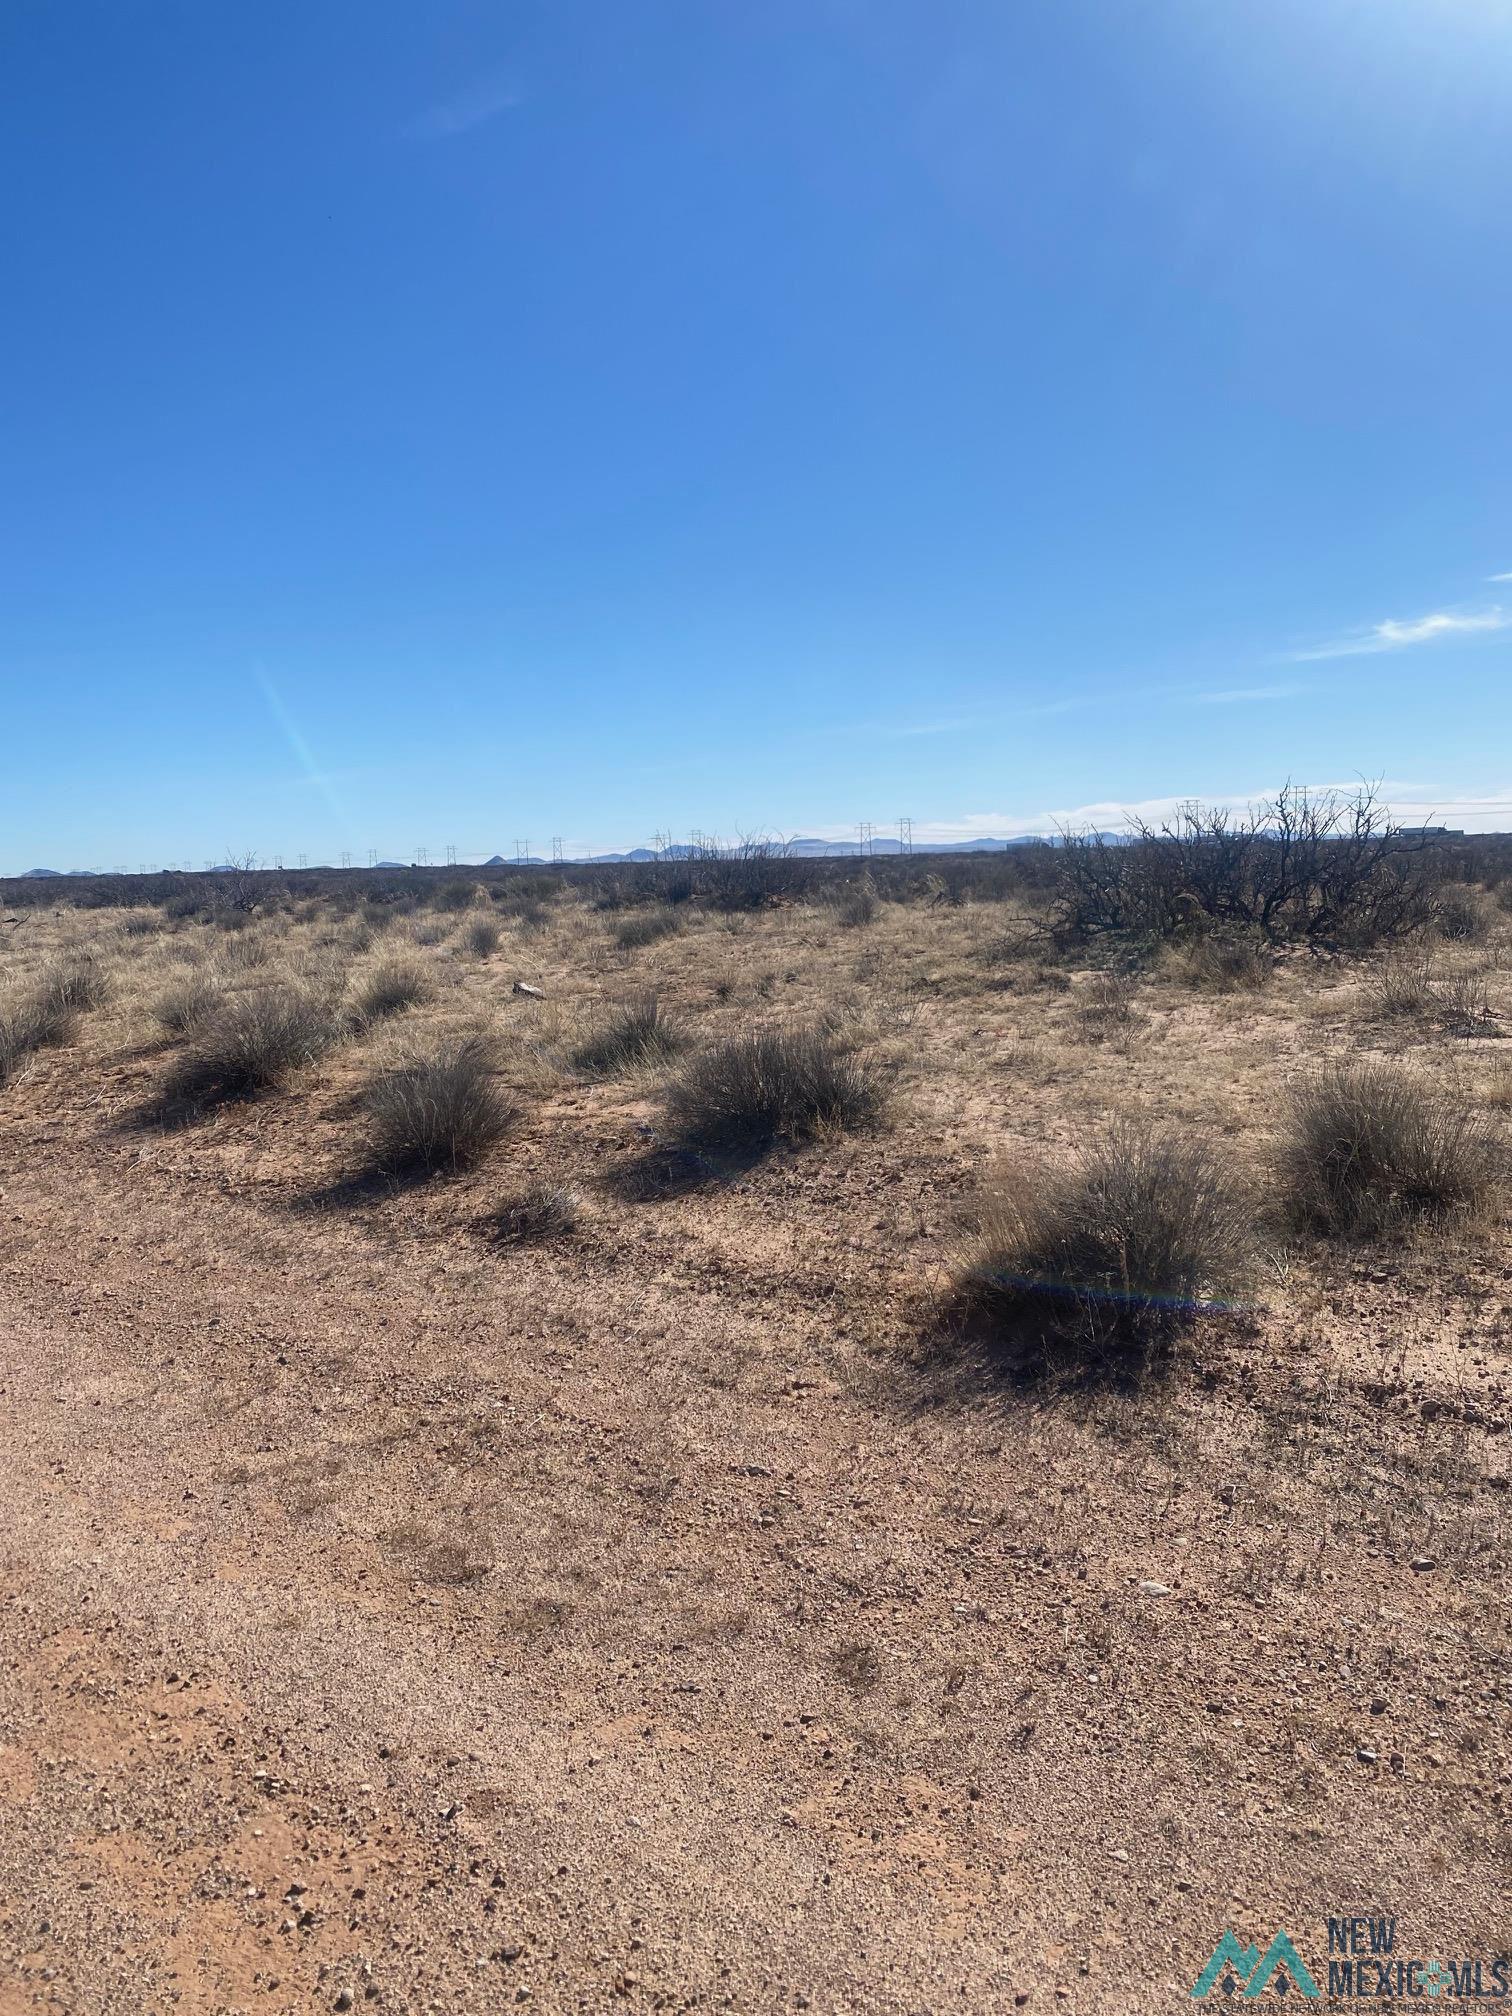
(656, 1618)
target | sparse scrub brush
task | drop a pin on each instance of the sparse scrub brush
(440, 1112)
(771, 1084)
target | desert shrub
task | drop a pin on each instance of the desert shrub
(455, 896)
(771, 1083)
(252, 1042)
(75, 987)
(1461, 914)
(539, 1212)
(1141, 1233)
(483, 937)
(1105, 1008)
(389, 989)
(187, 1003)
(1315, 866)
(34, 1021)
(438, 1112)
(634, 1034)
(856, 903)
(1402, 989)
(1368, 1145)
(644, 927)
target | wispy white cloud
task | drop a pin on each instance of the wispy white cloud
(1236, 694)
(1396, 635)
(481, 101)
(1499, 577)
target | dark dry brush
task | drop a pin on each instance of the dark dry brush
(1368, 1145)
(250, 1044)
(1141, 1233)
(539, 1212)
(441, 1112)
(636, 1034)
(187, 1003)
(772, 1084)
(35, 1021)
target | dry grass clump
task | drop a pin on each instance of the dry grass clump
(36, 1021)
(1461, 914)
(635, 1034)
(644, 927)
(539, 1212)
(442, 1111)
(1105, 1009)
(773, 1084)
(1223, 963)
(1402, 989)
(251, 1043)
(187, 1003)
(1138, 1236)
(482, 938)
(856, 903)
(390, 988)
(1367, 1145)
(74, 987)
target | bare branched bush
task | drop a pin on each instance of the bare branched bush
(539, 1212)
(1317, 867)
(771, 1084)
(1368, 1145)
(1142, 1233)
(390, 988)
(644, 927)
(441, 1112)
(250, 1044)
(636, 1034)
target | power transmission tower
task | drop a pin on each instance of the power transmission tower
(346, 860)
(863, 836)
(451, 857)
(556, 851)
(522, 853)
(304, 860)
(905, 835)
(278, 861)
(422, 855)
(372, 857)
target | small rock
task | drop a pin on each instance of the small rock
(1154, 1589)
(535, 993)
(1366, 1756)
(1424, 1562)
(1378, 1706)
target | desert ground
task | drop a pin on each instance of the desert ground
(662, 1606)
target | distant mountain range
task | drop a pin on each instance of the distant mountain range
(806, 849)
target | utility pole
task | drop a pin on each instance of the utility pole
(905, 835)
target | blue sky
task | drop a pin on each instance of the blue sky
(446, 424)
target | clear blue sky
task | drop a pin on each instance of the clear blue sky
(448, 423)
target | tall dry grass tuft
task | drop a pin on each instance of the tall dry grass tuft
(774, 1084)
(1144, 1231)
(1367, 1145)
(252, 1042)
(633, 1035)
(439, 1112)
